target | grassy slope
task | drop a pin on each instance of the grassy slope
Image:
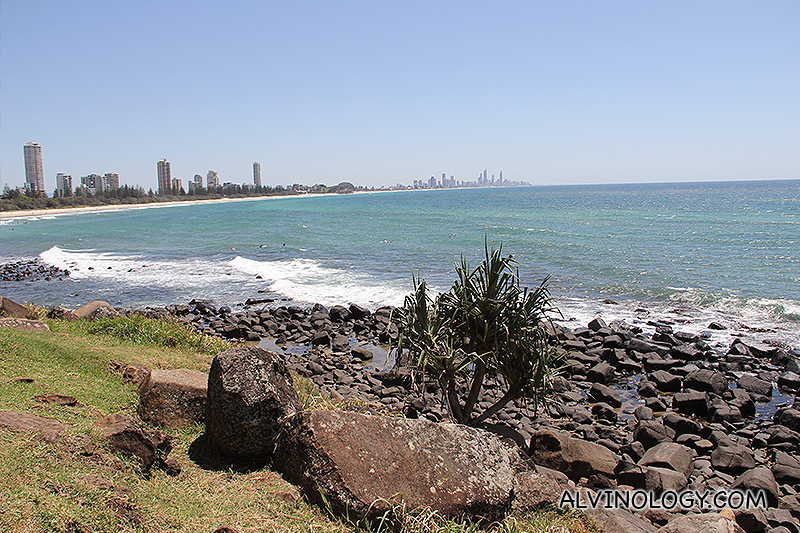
(46, 487)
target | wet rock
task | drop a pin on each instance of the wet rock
(682, 425)
(603, 411)
(361, 464)
(690, 403)
(755, 385)
(602, 393)
(705, 380)
(601, 373)
(666, 382)
(340, 344)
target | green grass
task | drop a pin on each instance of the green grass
(48, 487)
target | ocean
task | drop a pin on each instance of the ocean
(682, 253)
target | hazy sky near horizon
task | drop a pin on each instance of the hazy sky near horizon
(379, 93)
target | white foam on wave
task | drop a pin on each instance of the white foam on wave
(764, 319)
(133, 270)
(307, 280)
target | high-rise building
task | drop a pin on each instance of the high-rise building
(257, 174)
(198, 181)
(212, 180)
(177, 184)
(164, 177)
(110, 181)
(92, 184)
(63, 184)
(34, 171)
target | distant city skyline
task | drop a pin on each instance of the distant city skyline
(385, 93)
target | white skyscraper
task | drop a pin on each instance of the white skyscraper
(34, 172)
(64, 184)
(164, 177)
(212, 180)
(257, 174)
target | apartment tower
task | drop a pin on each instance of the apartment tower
(164, 177)
(34, 173)
(257, 174)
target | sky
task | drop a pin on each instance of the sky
(381, 93)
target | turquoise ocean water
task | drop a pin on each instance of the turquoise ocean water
(689, 253)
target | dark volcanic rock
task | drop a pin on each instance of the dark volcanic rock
(705, 380)
(126, 436)
(602, 393)
(362, 464)
(651, 433)
(249, 394)
(760, 478)
(574, 457)
(732, 459)
(669, 455)
(755, 385)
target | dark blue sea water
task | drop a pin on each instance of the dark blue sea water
(690, 253)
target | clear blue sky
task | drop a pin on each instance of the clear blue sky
(378, 93)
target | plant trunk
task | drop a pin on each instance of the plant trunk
(449, 386)
(512, 394)
(475, 388)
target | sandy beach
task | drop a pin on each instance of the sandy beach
(96, 208)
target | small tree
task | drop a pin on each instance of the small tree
(485, 325)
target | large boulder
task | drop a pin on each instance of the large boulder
(759, 479)
(250, 393)
(669, 455)
(361, 464)
(732, 459)
(173, 398)
(705, 380)
(12, 309)
(96, 309)
(574, 457)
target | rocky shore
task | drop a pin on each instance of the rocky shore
(660, 410)
(653, 409)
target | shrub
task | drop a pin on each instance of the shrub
(485, 325)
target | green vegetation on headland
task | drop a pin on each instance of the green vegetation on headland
(62, 487)
(15, 200)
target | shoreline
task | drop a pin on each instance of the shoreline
(32, 213)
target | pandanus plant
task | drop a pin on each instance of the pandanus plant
(486, 325)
